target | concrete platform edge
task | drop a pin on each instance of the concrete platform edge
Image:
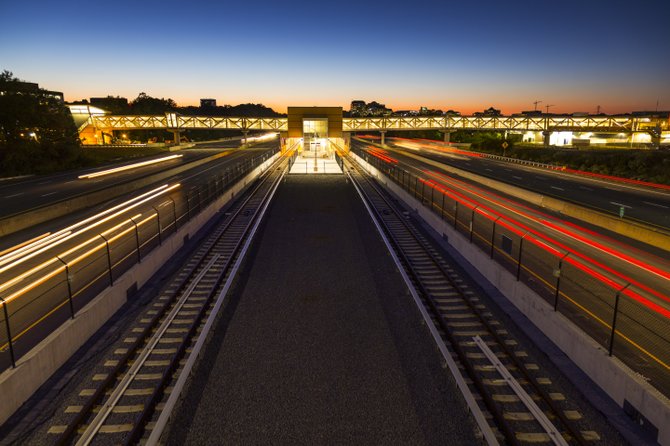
(614, 377)
(32, 370)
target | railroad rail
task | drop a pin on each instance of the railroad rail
(143, 379)
(516, 404)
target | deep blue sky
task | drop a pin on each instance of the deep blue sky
(463, 55)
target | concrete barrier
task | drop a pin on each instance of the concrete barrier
(13, 223)
(620, 382)
(33, 369)
(637, 231)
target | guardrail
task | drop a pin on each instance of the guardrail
(628, 322)
(38, 298)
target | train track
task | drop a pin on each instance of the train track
(508, 396)
(142, 379)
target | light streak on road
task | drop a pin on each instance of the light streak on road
(621, 256)
(575, 262)
(37, 244)
(128, 167)
(157, 192)
(21, 245)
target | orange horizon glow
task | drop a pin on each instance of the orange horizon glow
(464, 106)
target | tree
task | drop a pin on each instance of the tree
(147, 105)
(37, 133)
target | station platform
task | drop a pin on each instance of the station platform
(310, 165)
(320, 343)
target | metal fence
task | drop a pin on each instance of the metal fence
(41, 296)
(627, 321)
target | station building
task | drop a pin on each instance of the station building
(315, 131)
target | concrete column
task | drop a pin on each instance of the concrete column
(546, 138)
(176, 136)
(383, 137)
(246, 135)
(447, 136)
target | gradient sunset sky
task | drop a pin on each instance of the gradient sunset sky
(464, 55)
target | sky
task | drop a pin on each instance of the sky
(461, 55)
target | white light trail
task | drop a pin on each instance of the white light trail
(128, 167)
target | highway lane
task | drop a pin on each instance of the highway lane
(21, 196)
(627, 263)
(21, 276)
(593, 269)
(640, 203)
(228, 161)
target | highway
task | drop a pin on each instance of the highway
(33, 192)
(643, 204)
(31, 277)
(636, 266)
(592, 266)
(651, 272)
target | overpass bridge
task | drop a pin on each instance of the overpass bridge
(636, 129)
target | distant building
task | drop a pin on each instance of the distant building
(114, 104)
(31, 88)
(405, 113)
(489, 112)
(531, 113)
(204, 103)
(374, 108)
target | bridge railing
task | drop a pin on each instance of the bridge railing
(497, 123)
(38, 298)
(627, 321)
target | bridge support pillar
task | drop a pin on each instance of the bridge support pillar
(383, 133)
(246, 136)
(447, 135)
(546, 138)
(176, 136)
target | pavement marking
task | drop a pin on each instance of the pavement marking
(15, 195)
(622, 205)
(585, 188)
(50, 193)
(490, 170)
(655, 204)
(518, 178)
(557, 188)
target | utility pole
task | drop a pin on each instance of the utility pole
(537, 102)
(547, 107)
(598, 110)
